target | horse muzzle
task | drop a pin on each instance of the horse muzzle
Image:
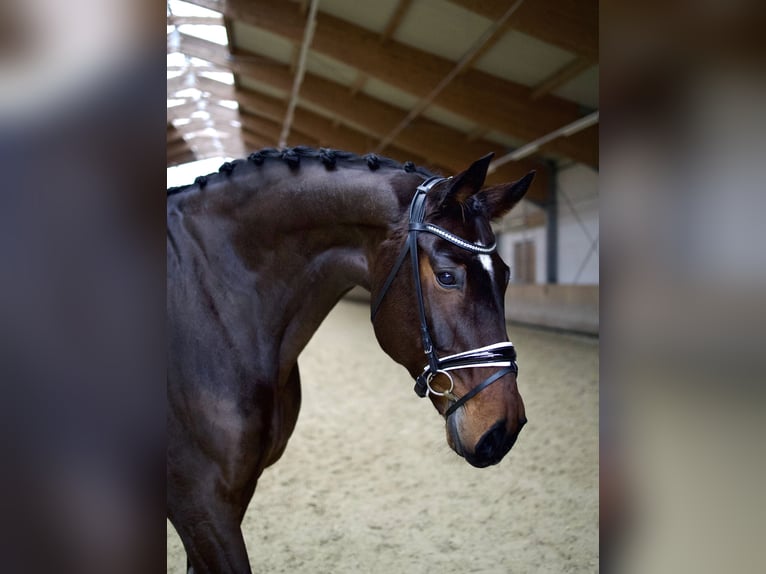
(491, 447)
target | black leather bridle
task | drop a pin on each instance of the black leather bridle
(497, 355)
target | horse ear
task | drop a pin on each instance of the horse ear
(499, 199)
(466, 183)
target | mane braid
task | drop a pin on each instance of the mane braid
(331, 159)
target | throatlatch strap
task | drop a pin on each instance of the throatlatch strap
(390, 279)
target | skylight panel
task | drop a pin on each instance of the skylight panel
(223, 77)
(209, 32)
(179, 8)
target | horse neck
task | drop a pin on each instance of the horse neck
(316, 218)
(301, 239)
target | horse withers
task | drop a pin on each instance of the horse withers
(258, 255)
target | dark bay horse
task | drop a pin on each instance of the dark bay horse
(257, 256)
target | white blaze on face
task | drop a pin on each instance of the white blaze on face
(486, 262)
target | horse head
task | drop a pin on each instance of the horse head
(440, 312)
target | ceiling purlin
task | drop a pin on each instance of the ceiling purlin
(481, 97)
(395, 20)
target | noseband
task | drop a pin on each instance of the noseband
(497, 355)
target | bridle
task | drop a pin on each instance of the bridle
(496, 355)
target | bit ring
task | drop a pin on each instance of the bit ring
(448, 392)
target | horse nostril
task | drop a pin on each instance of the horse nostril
(492, 441)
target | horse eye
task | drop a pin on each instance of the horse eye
(446, 278)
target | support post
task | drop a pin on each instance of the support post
(552, 227)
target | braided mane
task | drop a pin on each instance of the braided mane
(330, 158)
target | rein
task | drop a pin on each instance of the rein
(497, 355)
